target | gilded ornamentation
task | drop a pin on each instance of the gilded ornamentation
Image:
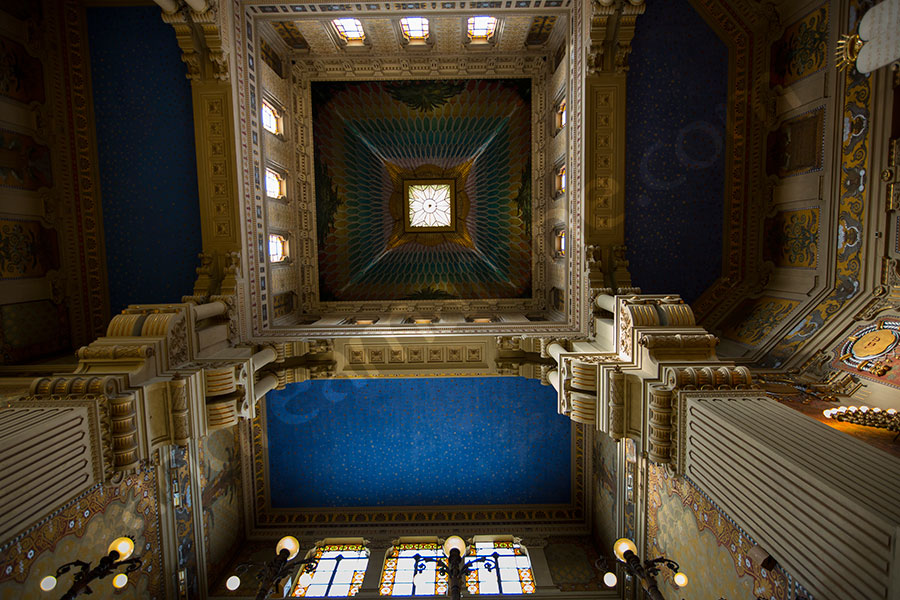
(792, 238)
(111, 352)
(851, 211)
(802, 49)
(757, 318)
(871, 352)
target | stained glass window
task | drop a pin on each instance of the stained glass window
(339, 572)
(481, 28)
(414, 28)
(277, 248)
(560, 243)
(270, 118)
(274, 184)
(561, 180)
(429, 205)
(406, 574)
(349, 29)
(507, 569)
(561, 114)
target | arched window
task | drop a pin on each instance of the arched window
(406, 574)
(506, 570)
(339, 571)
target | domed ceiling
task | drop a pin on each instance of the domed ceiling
(373, 139)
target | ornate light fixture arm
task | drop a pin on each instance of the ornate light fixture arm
(85, 575)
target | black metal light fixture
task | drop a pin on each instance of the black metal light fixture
(646, 571)
(455, 569)
(274, 570)
(119, 553)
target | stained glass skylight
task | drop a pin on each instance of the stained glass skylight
(429, 205)
(507, 570)
(481, 28)
(414, 28)
(405, 575)
(349, 29)
(339, 572)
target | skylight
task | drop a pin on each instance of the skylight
(481, 28)
(415, 29)
(349, 29)
(429, 205)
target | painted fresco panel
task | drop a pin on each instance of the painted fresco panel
(755, 318)
(83, 529)
(604, 477)
(792, 238)
(21, 75)
(26, 249)
(31, 330)
(24, 163)
(851, 212)
(872, 352)
(220, 482)
(797, 146)
(571, 561)
(684, 525)
(270, 57)
(290, 34)
(802, 50)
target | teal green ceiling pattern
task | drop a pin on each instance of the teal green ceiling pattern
(369, 136)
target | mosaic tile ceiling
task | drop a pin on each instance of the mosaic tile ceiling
(370, 137)
(417, 442)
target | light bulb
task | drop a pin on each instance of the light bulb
(48, 583)
(827, 412)
(681, 579)
(623, 545)
(863, 408)
(876, 410)
(120, 581)
(610, 579)
(853, 409)
(290, 544)
(891, 411)
(842, 409)
(123, 545)
(233, 582)
(454, 541)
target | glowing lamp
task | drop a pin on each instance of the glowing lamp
(681, 579)
(290, 544)
(233, 582)
(610, 579)
(124, 546)
(454, 541)
(48, 583)
(120, 581)
(622, 546)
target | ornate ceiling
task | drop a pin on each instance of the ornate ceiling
(372, 137)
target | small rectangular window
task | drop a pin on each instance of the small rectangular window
(271, 118)
(350, 30)
(561, 114)
(278, 248)
(561, 180)
(480, 29)
(275, 186)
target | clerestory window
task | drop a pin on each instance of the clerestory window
(338, 572)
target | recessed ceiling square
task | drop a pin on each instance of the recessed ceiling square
(423, 189)
(429, 205)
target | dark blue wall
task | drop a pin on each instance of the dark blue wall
(675, 150)
(148, 168)
(417, 442)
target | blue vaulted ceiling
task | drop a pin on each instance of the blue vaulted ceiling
(675, 151)
(417, 442)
